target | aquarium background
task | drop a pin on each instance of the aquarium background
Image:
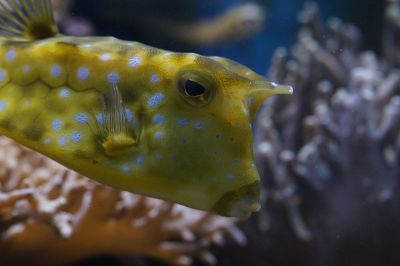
(328, 155)
(279, 28)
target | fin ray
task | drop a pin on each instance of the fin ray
(27, 19)
(115, 133)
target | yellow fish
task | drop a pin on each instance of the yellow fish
(169, 125)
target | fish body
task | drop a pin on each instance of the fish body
(169, 125)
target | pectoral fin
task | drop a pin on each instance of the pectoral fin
(115, 132)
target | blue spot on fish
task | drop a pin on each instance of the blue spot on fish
(158, 157)
(46, 141)
(183, 122)
(11, 54)
(135, 61)
(81, 118)
(140, 159)
(82, 73)
(64, 93)
(251, 100)
(105, 57)
(159, 119)
(62, 141)
(26, 68)
(2, 75)
(159, 134)
(155, 100)
(3, 105)
(125, 168)
(113, 77)
(129, 114)
(100, 118)
(154, 78)
(56, 70)
(56, 125)
(76, 137)
(199, 125)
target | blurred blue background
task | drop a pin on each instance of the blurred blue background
(280, 30)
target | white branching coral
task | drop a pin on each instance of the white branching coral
(50, 215)
(329, 156)
(343, 120)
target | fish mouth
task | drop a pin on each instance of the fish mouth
(240, 202)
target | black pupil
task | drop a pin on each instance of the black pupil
(193, 88)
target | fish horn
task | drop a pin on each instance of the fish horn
(260, 90)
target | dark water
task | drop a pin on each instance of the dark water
(280, 30)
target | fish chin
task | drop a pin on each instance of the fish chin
(239, 203)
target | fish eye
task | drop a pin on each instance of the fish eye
(193, 88)
(196, 88)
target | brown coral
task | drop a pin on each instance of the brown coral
(50, 215)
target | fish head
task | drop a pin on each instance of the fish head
(202, 133)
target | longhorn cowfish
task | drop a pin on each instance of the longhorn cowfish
(175, 126)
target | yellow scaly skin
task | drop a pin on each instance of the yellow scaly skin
(52, 99)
